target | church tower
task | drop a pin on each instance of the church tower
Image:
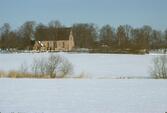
(71, 41)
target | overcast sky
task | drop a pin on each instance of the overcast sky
(114, 12)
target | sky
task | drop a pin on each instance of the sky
(101, 12)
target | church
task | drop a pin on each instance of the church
(62, 41)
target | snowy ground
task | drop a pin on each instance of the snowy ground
(83, 96)
(91, 65)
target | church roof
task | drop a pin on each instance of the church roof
(56, 34)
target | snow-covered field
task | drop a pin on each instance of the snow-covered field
(83, 96)
(91, 65)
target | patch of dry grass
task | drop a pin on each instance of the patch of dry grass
(2, 73)
(17, 74)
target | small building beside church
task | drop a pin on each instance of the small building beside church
(63, 41)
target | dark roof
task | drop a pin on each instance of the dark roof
(56, 34)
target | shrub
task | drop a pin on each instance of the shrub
(39, 67)
(65, 68)
(23, 68)
(159, 69)
(54, 66)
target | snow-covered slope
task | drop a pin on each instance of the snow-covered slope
(83, 96)
(91, 65)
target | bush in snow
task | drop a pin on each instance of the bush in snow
(159, 69)
(23, 68)
(65, 67)
(39, 68)
(53, 66)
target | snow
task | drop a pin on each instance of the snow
(88, 95)
(83, 96)
(91, 65)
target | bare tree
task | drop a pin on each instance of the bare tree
(52, 65)
(85, 34)
(121, 37)
(4, 31)
(55, 24)
(23, 71)
(24, 68)
(65, 67)
(39, 67)
(159, 69)
(26, 33)
(166, 38)
(107, 35)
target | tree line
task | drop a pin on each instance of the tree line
(86, 35)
